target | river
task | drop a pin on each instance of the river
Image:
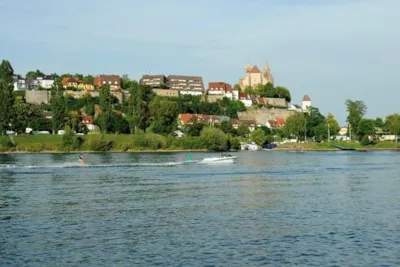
(149, 209)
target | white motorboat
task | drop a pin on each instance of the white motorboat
(221, 159)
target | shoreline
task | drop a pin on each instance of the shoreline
(277, 149)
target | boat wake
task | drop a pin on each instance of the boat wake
(77, 165)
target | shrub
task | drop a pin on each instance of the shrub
(150, 141)
(6, 143)
(214, 138)
(101, 145)
(69, 140)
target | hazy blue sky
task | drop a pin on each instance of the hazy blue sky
(331, 50)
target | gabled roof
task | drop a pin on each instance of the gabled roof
(273, 124)
(255, 69)
(66, 80)
(281, 121)
(243, 95)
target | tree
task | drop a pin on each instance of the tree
(314, 120)
(390, 122)
(243, 130)
(379, 123)
(125, 81)
(295, 125)
(34, 74)
(105, 99)
(214, 138)
(332, 124)
(58, 107)
(6, 95)
(356, 110)
(25, 114)
(366, 128)
(164, 113)
(194, 129)
(283, 92)
(258, 136)
(137, 107)
(236, 87)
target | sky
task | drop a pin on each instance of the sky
(330, 50)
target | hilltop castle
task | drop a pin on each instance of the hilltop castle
(255, 77)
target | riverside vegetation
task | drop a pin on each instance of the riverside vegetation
(145, 121)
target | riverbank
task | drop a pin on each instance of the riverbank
(328, 146)
(160, 144)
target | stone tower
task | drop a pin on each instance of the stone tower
(267, 73)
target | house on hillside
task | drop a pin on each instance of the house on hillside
(88, 121)
(277, 123)
(45, 81)
(185, 119)
(251, 124)
(245, 99)
(114, 81)
(19, 83)
(222, 89)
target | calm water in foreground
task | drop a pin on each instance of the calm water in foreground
(269, 209)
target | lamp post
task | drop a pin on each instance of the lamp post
(329, 133)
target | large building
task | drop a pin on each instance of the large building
(154, 81)
(223, 89)
(114, 81)
(187, 85)
(255, 77)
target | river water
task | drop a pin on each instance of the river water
(138, 209)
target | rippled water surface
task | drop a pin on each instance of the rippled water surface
(269, 209)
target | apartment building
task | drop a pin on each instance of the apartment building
(154, 81)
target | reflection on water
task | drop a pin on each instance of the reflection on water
(146, 209)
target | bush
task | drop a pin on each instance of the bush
(215, 139)
(234, 143)
(5, 143)
(150, 141)
(69, 140)
(101, 145)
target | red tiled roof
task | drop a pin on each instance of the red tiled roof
(87, 119)
(274, 124)
(243, 96)
(281, 121)
(219, 86)
(67, 80)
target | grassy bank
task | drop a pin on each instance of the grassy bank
(100, 143)
(328, 146)
(148, 143)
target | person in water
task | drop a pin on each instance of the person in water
(81, 158)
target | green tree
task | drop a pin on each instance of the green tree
(6, 96)
(379, 123)
(258, 136)
(366, 127)
(295, 125)
(34, 74)
(58, 107)
(194, 129)
(214, 138)
(283, 92)
(313, 121)
(137, 108)
(333, 125)
(243, 130)
(105, 100)
(390, 123)
(125, 81)
(25, 114)
(356, 110)
(164, 115)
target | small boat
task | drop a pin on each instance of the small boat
(224, 158)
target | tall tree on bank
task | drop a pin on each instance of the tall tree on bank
(295, 125)
(136, 108)
(105, 99)
(58, 107)
(356, 110)
(6, 95)
(332, 124)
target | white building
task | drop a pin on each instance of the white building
(306, 104)
(19, 83)
(45, 82)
